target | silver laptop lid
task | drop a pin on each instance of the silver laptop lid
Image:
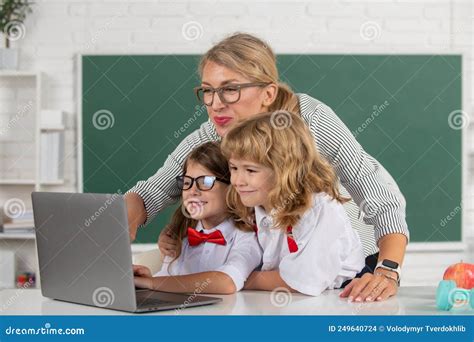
(84, 250)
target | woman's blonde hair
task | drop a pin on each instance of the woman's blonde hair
(208, 155)
(254, 59)
(282, 142)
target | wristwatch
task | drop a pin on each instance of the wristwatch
(390, 265)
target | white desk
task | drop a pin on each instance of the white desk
(409, 301)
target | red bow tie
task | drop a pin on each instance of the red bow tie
(195, 238)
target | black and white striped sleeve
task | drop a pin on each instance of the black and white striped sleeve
(369, 184)
(160, 190)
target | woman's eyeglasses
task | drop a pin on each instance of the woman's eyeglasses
(203, 183)
(227, 94)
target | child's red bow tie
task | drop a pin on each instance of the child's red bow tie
(195, 238)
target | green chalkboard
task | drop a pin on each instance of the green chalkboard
(397, 106)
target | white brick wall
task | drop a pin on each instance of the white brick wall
(57, 30)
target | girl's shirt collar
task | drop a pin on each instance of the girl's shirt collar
(226, 227)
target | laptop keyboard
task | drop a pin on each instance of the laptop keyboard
(151, 302)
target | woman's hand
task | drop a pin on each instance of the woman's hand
(132, 232)
(142, 277)
(167, 244)
(136, 213)
(370, 288)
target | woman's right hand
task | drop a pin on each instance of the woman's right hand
(136, 213)
(132, 231)
(167, 243)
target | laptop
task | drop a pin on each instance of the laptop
(85, 257)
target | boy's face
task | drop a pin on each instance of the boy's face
(252, 181)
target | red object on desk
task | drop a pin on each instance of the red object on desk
(462, 273)
(25, 280)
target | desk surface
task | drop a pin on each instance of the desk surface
(409, 301)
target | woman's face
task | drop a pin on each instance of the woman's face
(252, 181)
(253, 100)
(208, 206)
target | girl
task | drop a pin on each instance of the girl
(277, 174)
(214, 256)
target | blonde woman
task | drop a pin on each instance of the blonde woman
(239, 79)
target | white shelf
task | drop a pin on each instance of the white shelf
(53, 128)
(30, 182)
(17, 182)
(41, 128)
(22, 242)
(18, 73)
(17, 236)
(52, 182)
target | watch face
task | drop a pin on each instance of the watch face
(390, 264)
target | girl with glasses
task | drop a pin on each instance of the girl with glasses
(213, 255)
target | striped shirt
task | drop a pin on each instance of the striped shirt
(377, 207)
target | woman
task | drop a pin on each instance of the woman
(242, 71)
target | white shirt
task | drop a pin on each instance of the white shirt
(328, 253)
(238, 258)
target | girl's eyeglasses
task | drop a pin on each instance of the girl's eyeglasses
(227, 94)
(203, 183)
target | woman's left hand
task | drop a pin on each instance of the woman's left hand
(370, 288)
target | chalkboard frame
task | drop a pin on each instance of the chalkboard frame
(413, 246)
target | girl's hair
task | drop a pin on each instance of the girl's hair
(208, 155)
(282, 142)
(254, 59)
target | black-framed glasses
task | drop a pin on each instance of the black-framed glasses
(228, 94)
(203, 183)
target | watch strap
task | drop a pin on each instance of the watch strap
(397, 270)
